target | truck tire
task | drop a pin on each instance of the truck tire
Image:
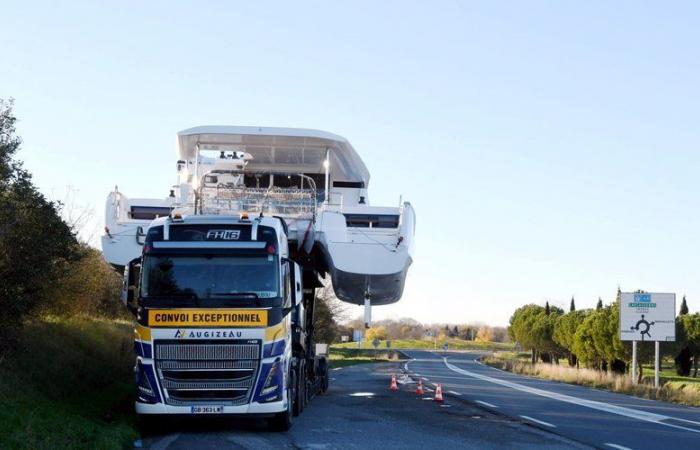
(323, 369)
(324, 383)
(303, 391)
(299, 401)
(283, 421)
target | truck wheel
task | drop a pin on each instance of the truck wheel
(304, 392)
(323, 366)
(324, 383)
(299, 400)
(283, 421)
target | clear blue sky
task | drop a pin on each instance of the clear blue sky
(550, 148)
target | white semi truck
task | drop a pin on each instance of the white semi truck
(221, 274)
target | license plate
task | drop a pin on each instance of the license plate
(207, 409)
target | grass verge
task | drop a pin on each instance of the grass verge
(341, 356)
(68, 384)
(430, 344)
(687, 393)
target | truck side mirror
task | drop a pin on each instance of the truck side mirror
(140, 235)
(130, 284)
(298, 291)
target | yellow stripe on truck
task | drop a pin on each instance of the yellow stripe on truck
(142, 333)
(207, 317)
(273, 332)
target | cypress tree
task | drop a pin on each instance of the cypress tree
(684, 307)
(546, 308)
(600, 304)
(572, 306)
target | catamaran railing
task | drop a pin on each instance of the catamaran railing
(294, 202)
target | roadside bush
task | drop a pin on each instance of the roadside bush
(36, 245)
(89, 287)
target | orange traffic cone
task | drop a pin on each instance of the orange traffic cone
(419, 389)
(438, 393)
(394, 386)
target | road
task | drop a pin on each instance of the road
(360, 412)
(588, 416)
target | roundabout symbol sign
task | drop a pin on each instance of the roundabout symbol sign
(647, 317)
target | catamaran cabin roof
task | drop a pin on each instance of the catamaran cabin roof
(279, 149)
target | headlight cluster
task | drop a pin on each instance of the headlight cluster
(272, 381)
(142, 383)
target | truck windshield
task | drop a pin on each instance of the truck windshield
(211, 277)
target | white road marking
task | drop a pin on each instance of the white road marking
(362, 394)
(454, 393)
(541, 422)
(618, 447)
(600, 406)
(681, 420)
(337, 368)
(486, 404)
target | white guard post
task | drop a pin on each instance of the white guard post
(368, 313)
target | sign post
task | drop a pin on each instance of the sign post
(647, 317)
(634, 362)
(656, 363)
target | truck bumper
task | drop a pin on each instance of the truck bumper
(263, 409)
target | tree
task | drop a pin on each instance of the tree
(327, 312)
(546, 308)
(688, 344)
(597, 342)
(36, 245)
(376, 332)
(565, 329)
(485, 334)
(691, 325)
(684, 307)
(532, 327)
(521, 323)
(599, 305)
(572, 305)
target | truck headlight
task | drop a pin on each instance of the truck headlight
(271, 382)
(142, 383)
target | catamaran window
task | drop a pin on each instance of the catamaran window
(148, 212)
(372, 220)
(211, 277)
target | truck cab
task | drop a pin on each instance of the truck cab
(223, 320)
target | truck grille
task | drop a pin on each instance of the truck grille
(194, 372)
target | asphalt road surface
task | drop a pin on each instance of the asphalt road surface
(360, 412)
(587, 416)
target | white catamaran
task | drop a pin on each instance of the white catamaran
(312, 179)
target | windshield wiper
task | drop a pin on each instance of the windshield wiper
(236, 294)
(251, 295)
(174, 295)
